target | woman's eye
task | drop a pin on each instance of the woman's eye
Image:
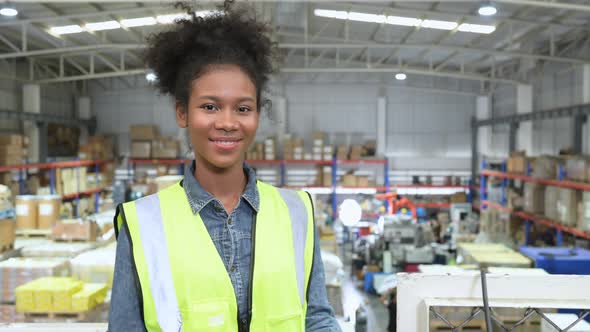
(209, 107)
(243, 109)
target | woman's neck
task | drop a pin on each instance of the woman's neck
(226, 185)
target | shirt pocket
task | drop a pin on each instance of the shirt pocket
(207, 316)
(292, 322)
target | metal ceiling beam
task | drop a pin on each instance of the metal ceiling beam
(91, 76)
(442, 47)
(547, 4)
(410, 70)
(71, 49)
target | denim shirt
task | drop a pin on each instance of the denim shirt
(231, 234)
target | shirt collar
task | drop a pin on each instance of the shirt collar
(199, 197)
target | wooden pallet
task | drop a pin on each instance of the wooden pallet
(28, 233)
(56, 315)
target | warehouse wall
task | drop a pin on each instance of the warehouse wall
(425, 130)
(554, 86)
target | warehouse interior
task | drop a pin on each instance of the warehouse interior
(445, 145)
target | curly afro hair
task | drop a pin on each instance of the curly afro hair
(230, 36)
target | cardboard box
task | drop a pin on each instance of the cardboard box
(7, 234)
(319, 136)
(75, 229)
(546, 167)
(551, 198)
(517, 165)
(143, 132)
(328, 156)
(362, 181)
(567, 206)
(459, 198)
(349, 180)
(356, 152)
(577, 168)
(12, 140)
(584, 212)
(317, 150)
(317, 156)
(327, 176)
(141, 150)
(165, 148)
(534, 198)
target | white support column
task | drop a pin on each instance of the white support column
(586, 100)
(279, 110)
(483, 111)
(381, 126)
(524, 104)
(32, 104)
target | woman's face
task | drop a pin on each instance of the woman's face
(222, 116)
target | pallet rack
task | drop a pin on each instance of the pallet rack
(51, 167)
(529, 218)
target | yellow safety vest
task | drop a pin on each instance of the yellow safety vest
(184, 283)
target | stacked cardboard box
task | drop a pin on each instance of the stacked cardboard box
(356, 152)
(584, 212)
(546, 167)
(142, 137)
(567, 206)
(100, 147)
(349, 180)
(95, 266)
(13, 149)
(319, 140)
(18, 271)
(70, 180)
(292, 148)
(517, 163)
(342, 152)
(459, 198)
(165, 148)
(270, 149)
(578, 168)
(551, 198)
(75, 230)
(534, 198)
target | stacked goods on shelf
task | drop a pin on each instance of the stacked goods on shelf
(256, 152)
(584, 212)
(517, 163)
(13, 149)
(321, 150)
(69, 181)
(496, 225)
(95, 266)
(546, 167)
(551, 198)
(100, 147)
(58, 295)
(292, 147)
(75, 230)
(270, 148)
(577, 168)
(18, 271)
(342, 152)
(515, 201)
(534, 198)
(459, 198)
(48, 211)
(142, 137)
(165, 148)
(567, 206)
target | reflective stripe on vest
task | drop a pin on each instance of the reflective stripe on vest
(164, 301)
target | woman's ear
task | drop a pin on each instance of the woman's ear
(181, 115)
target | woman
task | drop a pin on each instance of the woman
(219, 251)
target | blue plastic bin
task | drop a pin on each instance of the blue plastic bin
(559, 260)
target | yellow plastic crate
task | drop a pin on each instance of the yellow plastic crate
(51, 294)
(89, 297)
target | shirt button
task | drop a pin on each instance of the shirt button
(233, 268)
(230, 221)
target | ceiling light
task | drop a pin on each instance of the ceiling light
(7, 11)
(138, 22)
(441, 25)
(66, 29)
(477, 28)
(171, 18)
(151, 77)
(339, 14)
(406, 21)
(487, 10)
(363, 17)
(203, 13)
(401, 76)
(106, 25)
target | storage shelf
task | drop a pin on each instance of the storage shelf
(421, 186)
(556, 183)
(61, 164)
(82, 193)
(538, 220)
(362, 161)
(158, 161)
(433, 205)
